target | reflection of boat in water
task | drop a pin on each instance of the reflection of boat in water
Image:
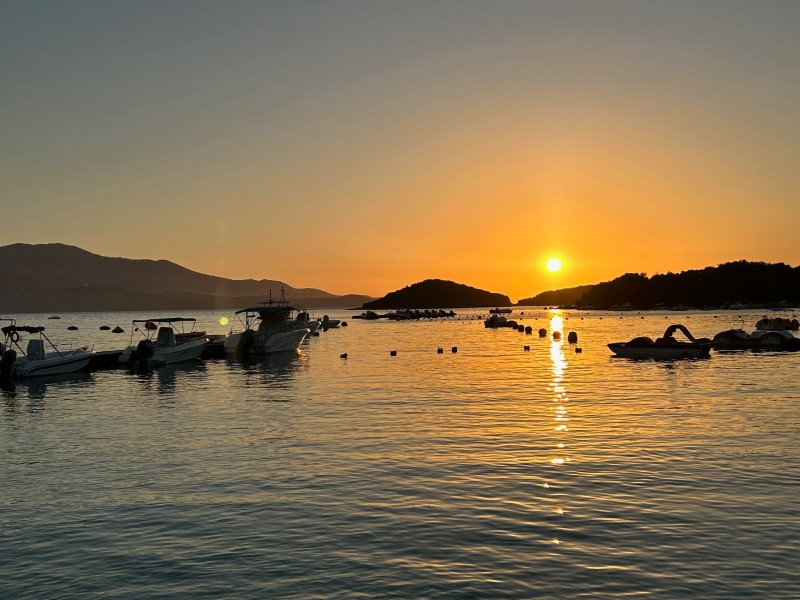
(163, 344)
(739, 339)
(664, 347)
(266, 329)
(40, 357)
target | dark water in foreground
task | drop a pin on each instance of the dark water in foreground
(487, 473)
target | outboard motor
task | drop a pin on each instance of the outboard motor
(144, 352)
(7, 361)
(246, 342)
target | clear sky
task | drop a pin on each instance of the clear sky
(361, 146)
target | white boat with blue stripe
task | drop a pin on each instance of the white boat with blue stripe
(40, 355)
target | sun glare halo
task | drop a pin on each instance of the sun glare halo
(553, 265)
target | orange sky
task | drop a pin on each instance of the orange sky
(360, 147)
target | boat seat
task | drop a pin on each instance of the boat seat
(166, 338)
(35, 350)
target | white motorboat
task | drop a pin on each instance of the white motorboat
(664, 347)
(40, 356)
(162, 343)
(328, 323)
(304, 320)
(267, 329)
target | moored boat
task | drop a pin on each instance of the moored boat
(163, 343)
(664, 347)
(267, 329)
(739, 339)
(40, 357)
(495, 321)
(777, 323)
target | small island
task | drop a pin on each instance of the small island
(438, 293)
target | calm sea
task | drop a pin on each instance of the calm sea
(490, 472)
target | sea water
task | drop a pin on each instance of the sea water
(483, 471)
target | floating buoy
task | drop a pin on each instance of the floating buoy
(556, 335)
(72, 328)
(526, 348)
(343, 355)
(572, 337)
(392, 352)
(542, 332)
(529, 330)
(344, 323)
(150, 325)
(578, 350)
(520, 328)
(117, 329)
(104, 327)
(440, 350)
(454, 349)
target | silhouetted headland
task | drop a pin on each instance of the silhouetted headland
(734, 284)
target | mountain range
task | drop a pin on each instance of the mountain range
(62, 278)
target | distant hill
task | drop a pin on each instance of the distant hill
(438, 293)
(557, 297)
(61, 278)
(735, 282)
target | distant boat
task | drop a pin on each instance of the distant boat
(369, 315)
(778, 323)
(738, 339)
(328, 323)
(664, 347)
(495, 321)
(500, 311)
(53, 317)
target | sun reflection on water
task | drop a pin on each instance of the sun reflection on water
(559, 399)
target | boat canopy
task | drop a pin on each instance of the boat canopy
(23, 328)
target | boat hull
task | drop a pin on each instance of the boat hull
(53, 365)
(288, 341)
(190, 350)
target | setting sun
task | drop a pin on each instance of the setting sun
(553, 265)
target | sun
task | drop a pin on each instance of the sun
(553, 265)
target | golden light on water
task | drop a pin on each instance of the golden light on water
(223, 320)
